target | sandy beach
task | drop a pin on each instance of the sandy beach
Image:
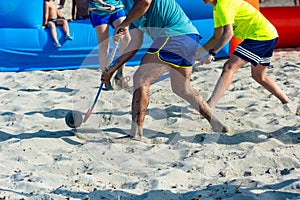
(42, 158)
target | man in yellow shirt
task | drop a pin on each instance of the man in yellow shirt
(240, 19)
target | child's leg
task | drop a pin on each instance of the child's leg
(65, 26)
(52, 27)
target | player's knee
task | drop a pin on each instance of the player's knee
(51, 25)
(258, 77)
(227, 67)
(230, 67)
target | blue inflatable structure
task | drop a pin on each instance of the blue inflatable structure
(26, 46)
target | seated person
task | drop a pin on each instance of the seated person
(53, 18)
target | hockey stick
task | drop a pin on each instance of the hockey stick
(89, 112)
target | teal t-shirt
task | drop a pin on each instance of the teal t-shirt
(164, 18)
(93, 4)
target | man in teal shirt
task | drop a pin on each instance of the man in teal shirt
(175, 41)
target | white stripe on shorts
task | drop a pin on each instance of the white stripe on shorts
(266, 60)
(248, 54)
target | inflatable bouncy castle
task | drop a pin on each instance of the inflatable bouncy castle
(287, 22)
(25, 45)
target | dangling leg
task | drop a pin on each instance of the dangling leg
(51, 25)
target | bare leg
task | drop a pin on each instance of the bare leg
(103, 46)
(103, 42)
(180, 81)
(52, 27)
(65, 26)
(148, 72)
(259, 75)
(151, 69)
(123, 44)
(229, 69)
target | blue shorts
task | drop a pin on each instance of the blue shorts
(53, 20)
(256, 51)
(106, 19)
(177, 51)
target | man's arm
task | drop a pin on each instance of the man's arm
(211, 42)
(226, 35)
(100, 2)
(103, 4)
(129, 52)
(224, 39)
(139, 8)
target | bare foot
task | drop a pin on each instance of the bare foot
(218, 127)
(123, 82)
(291, 108)
(108, 86)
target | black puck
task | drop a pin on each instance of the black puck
(73, 119)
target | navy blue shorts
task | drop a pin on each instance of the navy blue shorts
(177, 51)
(256, 51)
(106, 19)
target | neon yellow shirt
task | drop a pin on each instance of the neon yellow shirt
(247, 21)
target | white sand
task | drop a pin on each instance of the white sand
(41, 158)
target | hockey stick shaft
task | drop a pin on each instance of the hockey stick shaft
(89, 112)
